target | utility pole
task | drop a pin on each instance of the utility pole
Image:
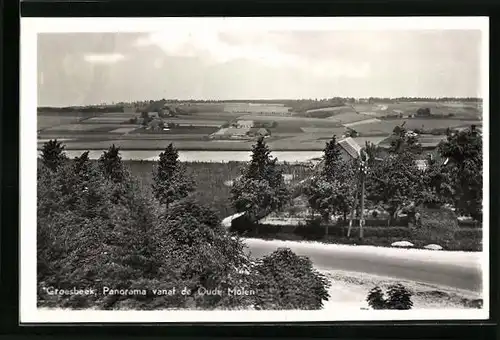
(362, 174)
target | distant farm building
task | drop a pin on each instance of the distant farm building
(156, 125)
(349, 148)
(244, 123)
(230, 133)
(259, 132)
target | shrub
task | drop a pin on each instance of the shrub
(469, 233)
(287, 281)
(470, 224)
(437, 226)
(399, 297)
(312, 230)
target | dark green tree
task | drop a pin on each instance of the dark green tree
(261, 187)
(53, 154)
(333, 190)
(395, 182)
(112, 166)
(331, 159)
(464, 151)
(287, 281)
(170, 182)
(398, 297)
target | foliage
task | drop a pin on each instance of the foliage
(333, 190)
(437, 185)
(394, 183)
(287, 281)
(404, 141)
(465, 153)
(399, 297)
(437, 226)
(261, 188)
(112, 166)
(169, 180)
(53, 154)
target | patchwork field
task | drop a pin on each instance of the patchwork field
(255, 108)
(300, 131)
(47, 120)
(460, 110)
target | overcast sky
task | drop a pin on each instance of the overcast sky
(90, 68)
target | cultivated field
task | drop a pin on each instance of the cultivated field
(298, 131)
(459, 110)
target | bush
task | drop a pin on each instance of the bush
(376, 222)
(470, 224)
(312, 230)
(469, 233)
(287, 281)
(437, 226)
(399, 297)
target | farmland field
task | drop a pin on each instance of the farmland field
(418, 123)
(47, 120)
(255, 107)
(459, 110)
(366, 121)
(107, 120)
(328, 111)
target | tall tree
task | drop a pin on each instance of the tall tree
(403, 140)
(112, 166)
(170, 181)
(333, 190)
(261, 187)
(331, 159)
(394, 183)
(53, 154)
(464, 151)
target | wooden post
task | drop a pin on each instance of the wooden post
(362, 207)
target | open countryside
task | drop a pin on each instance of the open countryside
(287, 126)
(215, 150)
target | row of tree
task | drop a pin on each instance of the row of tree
(393, 182)
(97, 227)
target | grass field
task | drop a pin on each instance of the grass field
(48, 120)
(211, 180)
(254, 107)
(459, 110)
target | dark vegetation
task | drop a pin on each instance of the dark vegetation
(98, 228)
(393, 184)
(398, 297)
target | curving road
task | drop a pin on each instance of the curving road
(459, 270)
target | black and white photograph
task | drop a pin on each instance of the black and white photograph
(254, 169)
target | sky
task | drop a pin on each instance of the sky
(91, 68)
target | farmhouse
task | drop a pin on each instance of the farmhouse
(156, 125)
(244, 123)
(349, 148)
(259, 132)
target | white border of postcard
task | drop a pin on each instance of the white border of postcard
(29, 313)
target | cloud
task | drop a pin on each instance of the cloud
(103, 58)
(266, 48)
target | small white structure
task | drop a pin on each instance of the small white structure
(227, 221)
(402, 244)
(433, 247)
(244, 123)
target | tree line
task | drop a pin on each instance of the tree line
(98, 228)
(392, 182)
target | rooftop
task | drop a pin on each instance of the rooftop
(350, 146)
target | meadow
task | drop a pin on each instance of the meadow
(300, 131)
